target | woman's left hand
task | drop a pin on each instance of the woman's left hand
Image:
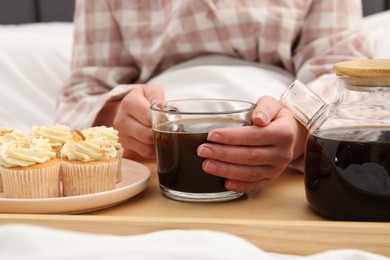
(249, 157)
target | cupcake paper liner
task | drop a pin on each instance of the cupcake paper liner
(34, 183)
(79, 178)
(119, 172)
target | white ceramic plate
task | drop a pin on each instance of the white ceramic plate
(135, 178)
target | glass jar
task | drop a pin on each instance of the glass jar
(347, 159)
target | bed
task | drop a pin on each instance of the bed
(35, 52)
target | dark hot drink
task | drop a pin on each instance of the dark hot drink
(179, 128)
(347, 173)
(179, 166)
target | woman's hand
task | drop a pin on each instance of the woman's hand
(134, 123)
(252, 156)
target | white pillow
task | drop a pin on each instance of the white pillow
(378, 25)
(34, 63)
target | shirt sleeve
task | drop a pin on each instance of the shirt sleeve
(100, 67)
(332, 31)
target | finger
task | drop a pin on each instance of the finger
(153, 93)
(129, 126)
(246, 136)
(267, 108)
(280, 131)
(241, 155)
(134, 155)
(135, 105)
(241, 178)
(144, 150)
(137, 102)
(240, 186)
(230, 171)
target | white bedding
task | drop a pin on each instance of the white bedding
(24, 242)
(34, 62)
(35, 58)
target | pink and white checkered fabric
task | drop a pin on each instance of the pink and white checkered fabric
(127, 42)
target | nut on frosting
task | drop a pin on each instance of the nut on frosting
(26, 151)
(9, 134)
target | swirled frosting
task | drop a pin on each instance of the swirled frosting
(91, 148)
(57, 134)
(26, 151)
(9, 134)
(110, 133)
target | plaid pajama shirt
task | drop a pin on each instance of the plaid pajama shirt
(121, 43)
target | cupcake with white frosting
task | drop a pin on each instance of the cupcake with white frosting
(57, 134)
(112, 135)
(89, 165)
(29, 169)
(8, 134)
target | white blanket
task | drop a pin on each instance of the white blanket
(24, 242)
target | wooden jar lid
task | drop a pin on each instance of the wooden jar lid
(369, 72)
(369, 68)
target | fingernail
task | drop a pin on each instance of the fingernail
(261, 115)
(204, 152)
(209, 166)
(230, 185)
(214, 137)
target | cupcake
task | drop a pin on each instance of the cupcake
(89, 165)
(29, 169)
(112, 135)
(57, 135)
(8, 134)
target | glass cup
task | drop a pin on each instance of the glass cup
(179, 128)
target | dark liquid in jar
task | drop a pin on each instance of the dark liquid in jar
(347, 173)
(179, 167)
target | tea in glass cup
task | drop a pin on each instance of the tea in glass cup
(179, 128)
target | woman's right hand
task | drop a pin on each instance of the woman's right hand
(133, 120)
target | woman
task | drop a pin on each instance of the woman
(121, 47)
